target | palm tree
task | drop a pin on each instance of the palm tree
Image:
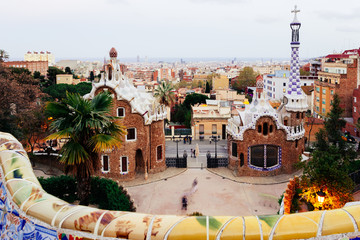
(3, 55)
(90, 129)
(164, 93)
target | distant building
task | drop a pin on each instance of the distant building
(275, 85)
(64, 78)
(340, 74)
(39, 66)
(40, 57)
(210, 119)
(220, 83)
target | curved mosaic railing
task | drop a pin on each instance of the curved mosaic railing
(28, 212)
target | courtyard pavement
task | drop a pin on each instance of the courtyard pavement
(219, 191)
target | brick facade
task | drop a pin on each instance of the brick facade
(289, 154)
(142, 152)
(32, 66)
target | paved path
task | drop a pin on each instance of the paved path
(215, 196)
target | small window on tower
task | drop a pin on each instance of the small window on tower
(259, 128)
(131, 134)
(121, 112)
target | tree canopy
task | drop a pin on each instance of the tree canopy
(58, 91)
(246, 78)
(164, 92)
(90, 129)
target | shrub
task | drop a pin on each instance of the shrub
(63, 187)
(104, 192)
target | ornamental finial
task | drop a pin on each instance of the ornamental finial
(295, 11)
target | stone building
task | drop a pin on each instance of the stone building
(263, 141)
(143, 148)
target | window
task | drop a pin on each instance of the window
(265, 129)
(131, 134)
(323, 100)
(324, 91)
(214, 129)
(317, 108)
(284, 84)
(264, 157)
(354, 109)
(271, 128)
(259, 128)
(296, 143)
(317, 89)
(304, 84)
(201, 128)
(121, 112)
(105, 163)
(354, 99)
(159, 153)
(332, 92)
(317, 99)
(124, 164)
(234, 149)
(323, 110)
(297, 115)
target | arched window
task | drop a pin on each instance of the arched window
(271, 128)
(105, 163)
(297, 115)
(296, 143)
(265, 128)
(265, 157)
(259, 128)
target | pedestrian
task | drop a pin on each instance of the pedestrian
(184, 203)
(195, 182)
(210, 140)
(190, 138)
(184, 140)
(194, 153)
(191, 152)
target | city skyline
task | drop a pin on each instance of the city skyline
(177, 29)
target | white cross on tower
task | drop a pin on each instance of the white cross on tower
(295, 11)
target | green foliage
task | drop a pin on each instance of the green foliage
(334, 122)
(108, 195)
(207, 88)
(104, 192)
(304, 73)
(68, 70)
(90, 128)
(247, 78)
(51, 75)
(193, 99)
(195, 214)
(164, 92)
(58, 91)
(92, 76)
(63, 187)
(3, 55)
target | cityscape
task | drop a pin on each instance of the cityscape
(172, 127)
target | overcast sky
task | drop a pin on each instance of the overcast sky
(76, 29)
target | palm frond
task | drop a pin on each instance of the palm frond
(103, 142)
(73, 153)
(66, 133)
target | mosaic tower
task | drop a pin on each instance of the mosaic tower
(295, 97)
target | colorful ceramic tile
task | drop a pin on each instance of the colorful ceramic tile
(43, 233)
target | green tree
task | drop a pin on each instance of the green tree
(247, 78)
(207, 89)
(90, 129)
(164, 92)
(58, 91)
(51, 75)
(334, 122)
(68, 70)
(3, 55)
(92, 76)
(195, 98)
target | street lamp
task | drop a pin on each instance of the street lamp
(177, 146)
(215, 139)
(320, 196)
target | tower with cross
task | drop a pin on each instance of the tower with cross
(295, 99)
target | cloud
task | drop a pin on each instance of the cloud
(220, 1)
